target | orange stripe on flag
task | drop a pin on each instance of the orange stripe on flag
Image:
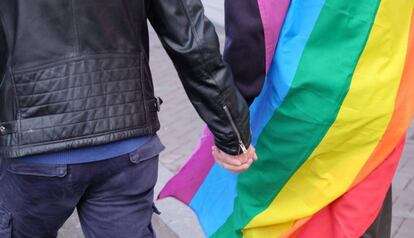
(403, 112)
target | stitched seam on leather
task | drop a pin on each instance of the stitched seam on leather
(90, 109)
(17, 108)
(75, 28)
(25, 96)
(74, 75)
(83, 98)
(144, 128)
(75, 87)
(85, 122)
(143, 88)
(96, 108)
(64, 60)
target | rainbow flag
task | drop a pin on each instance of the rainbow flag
(329, 125)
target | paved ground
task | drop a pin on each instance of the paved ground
(181, 128)
(403, 193)
(214, 10)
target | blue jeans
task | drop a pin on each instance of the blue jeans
(114, 198)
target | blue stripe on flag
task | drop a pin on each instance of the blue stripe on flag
(300, 21)
(213, 202)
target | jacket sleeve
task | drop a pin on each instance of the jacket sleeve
(192, 43)
(245, 39)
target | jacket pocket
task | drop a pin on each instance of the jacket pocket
(5, 224)
(148, 151)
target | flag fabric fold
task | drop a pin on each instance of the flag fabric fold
(328, 125)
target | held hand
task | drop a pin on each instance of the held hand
(236, 164)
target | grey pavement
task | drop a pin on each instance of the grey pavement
(180, 131)
(214, 10)
(403, 192)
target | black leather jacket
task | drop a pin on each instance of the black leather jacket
(75, 73)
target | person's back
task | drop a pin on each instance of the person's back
(77, 71)
(74, 74)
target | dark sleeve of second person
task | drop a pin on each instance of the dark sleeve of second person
(3, 53)
(245, 46)
(192, 43)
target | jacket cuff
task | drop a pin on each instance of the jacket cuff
(233, 149)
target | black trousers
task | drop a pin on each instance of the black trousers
(114, 198)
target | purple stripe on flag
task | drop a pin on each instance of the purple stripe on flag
(185, 184)
(273, 13)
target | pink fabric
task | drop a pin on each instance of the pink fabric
(353, 213)
(185, 185)
(273, 13)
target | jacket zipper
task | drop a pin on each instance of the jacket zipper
(241, 144)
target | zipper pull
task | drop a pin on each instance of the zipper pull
(233, 125)
(243, 147)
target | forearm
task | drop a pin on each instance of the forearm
(191, 41)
